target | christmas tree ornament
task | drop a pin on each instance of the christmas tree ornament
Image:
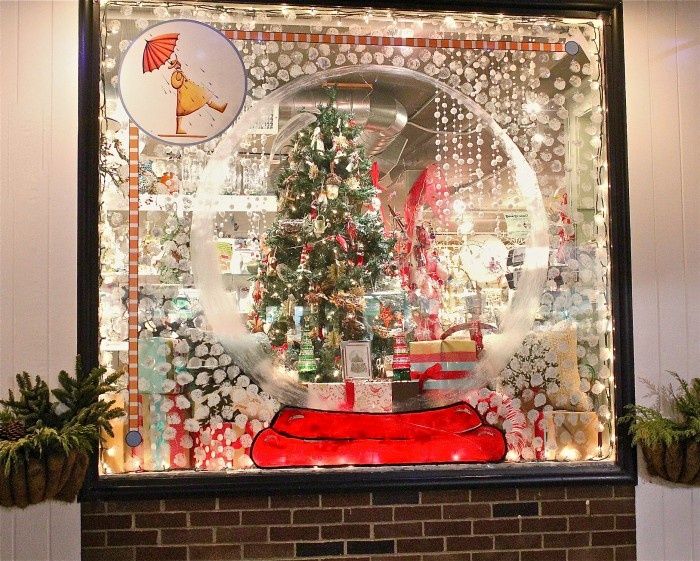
(320, 226)
(289, 305)
(284, 273)
(342, 242)
(340, 142)
(255, 323)
(304, 258)
(351, 230)
(306, 366)
(374, 174)
(317, 140)
(360, 258)
(313, 170)
(257, 292)
(333, 182)
(333, 339)
(401, 362)
(332, 192)
(290, 225)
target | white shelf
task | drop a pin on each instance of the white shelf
(183, 203)
(114, 346)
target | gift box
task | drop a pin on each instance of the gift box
(365, 396)
(369, 396)
(327, 397)
(166, 444)
(156, 373)
(224, 446)
(571, 436)
(403, 392)
(442, 364)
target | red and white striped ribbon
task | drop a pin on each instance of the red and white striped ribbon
(371, 40)
(134, 405)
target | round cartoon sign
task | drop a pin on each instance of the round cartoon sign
(182, 82)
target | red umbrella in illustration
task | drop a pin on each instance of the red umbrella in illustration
(158, 50)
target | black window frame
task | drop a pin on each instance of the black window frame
(190, 484)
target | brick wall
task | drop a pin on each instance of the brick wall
(552, 524)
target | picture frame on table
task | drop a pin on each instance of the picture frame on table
(356, 360)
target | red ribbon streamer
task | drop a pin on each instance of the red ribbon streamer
(349, 395)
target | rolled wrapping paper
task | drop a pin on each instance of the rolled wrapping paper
(571, 436)
(222, 447)
(166, 444)
(156, 373)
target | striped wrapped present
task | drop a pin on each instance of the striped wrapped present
(455, 359)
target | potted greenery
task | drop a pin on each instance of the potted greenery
(45, 443)
(670, 445)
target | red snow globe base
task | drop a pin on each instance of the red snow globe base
(301, 437)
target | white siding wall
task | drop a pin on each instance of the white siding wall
(38, 128)
(662, 46)
(38, 119)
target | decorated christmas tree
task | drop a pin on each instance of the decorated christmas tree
(326, 248)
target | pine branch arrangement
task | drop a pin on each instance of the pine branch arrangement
(33, 404)
(649, 427)
(79, 397)
(71, 418)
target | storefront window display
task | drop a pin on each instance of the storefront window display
(337, 237)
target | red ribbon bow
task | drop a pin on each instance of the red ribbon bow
(435, 372)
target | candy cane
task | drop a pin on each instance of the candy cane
(499, 410)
